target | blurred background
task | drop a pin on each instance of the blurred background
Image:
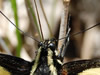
(85, 13)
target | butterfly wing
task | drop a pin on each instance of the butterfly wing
(76, 67)
(14, 65)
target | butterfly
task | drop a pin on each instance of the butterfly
(47, 61)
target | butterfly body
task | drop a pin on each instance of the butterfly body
(48, 62)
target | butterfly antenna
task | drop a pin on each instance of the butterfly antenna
(38, 19)
(25, 34)
(85, 29)
(82, 31)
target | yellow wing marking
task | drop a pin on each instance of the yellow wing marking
(92, 71)
(34, 67)
(3, 71)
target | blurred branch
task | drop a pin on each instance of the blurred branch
(53, 11)
(63, 25)
(1, 2)
(4, 46)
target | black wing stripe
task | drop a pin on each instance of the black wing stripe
(15, 65)
(75, 67)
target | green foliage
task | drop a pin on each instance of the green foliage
(19, 45)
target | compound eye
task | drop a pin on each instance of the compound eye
(52, 46)
(40, 44)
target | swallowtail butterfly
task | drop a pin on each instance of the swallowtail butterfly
(47, 62)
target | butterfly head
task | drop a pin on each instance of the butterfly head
(51, 44)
